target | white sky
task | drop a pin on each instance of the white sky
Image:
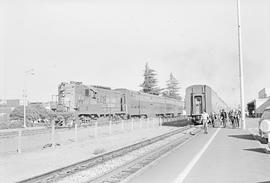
(108, 43)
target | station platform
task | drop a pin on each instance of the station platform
(223, 155)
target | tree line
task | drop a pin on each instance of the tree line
(150, 84)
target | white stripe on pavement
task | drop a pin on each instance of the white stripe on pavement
(191, 164)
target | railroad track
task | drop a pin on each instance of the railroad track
(46, 130)
(13, 134)
(99, 164)
(26, 132)
(31, 132)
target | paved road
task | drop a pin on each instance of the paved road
(232, 156)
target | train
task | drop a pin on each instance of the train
(92, 102)
(201, 98)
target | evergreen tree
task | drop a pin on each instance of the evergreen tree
(149, 84)
(172, 88)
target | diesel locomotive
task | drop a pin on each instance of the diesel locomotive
(92, 102)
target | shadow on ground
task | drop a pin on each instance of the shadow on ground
(259, 150)
(260, 139)
(178, 123)
(264, 182)
(243, 136)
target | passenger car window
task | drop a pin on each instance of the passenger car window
(87, 92)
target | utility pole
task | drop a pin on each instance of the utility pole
(24, 108)
(30, 72)
(241, 67)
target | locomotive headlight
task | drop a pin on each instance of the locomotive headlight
(265, 126)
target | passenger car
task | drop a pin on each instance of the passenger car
(202, 97)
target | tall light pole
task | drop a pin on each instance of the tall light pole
(241, 67)
(28, 72)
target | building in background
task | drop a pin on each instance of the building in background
(264, 93)
(46, 105)
(256, 106)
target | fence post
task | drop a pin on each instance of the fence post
(110, 127)
(19, 148)
(140, 122)
(76, 132)
(96, 126)
(122, 121)
(53, 132)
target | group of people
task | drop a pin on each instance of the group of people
(224, 117)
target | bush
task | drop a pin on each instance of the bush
(33, 113)
(39, 113)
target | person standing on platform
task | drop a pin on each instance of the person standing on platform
(212, 119)
(232, 117)
(238, 117)
(223, 118)
(205, 118)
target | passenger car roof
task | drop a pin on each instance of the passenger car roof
(267, 108)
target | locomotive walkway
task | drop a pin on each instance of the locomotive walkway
(224, 155)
